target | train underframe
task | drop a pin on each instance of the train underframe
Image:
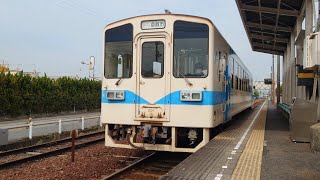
(159, 138)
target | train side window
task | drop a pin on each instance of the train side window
(231, 82)
(245, 81)
(152, 59)
(231, 67)
(237, 84)
(247, 88)
(244, 85)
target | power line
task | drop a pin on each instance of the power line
(76, 5)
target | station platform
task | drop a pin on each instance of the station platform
(256, 145)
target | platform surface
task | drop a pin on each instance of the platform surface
(283, 159)
(219, 157)
(256, 145)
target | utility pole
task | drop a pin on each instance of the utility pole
(90, 65)
(273, 81)
(278, 79)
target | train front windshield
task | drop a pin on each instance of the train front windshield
(118, 52)
(191, 44)
(191, 41)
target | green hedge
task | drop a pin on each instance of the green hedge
(23, 95)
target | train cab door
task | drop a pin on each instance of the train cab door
(152, 79)
(223, 75)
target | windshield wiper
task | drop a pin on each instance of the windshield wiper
(185, 78)
(118, 82)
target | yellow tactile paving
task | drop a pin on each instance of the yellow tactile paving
(249, 164)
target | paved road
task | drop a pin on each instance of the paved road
(91, 119)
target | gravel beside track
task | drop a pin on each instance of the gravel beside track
(30, 153)
(90, 163)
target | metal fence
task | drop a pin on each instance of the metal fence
(58, 122)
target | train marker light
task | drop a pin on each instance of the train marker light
(115, 95)
(191, 96)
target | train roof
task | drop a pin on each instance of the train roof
(150, 15)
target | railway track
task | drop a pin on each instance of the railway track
(26, 154)
(152, 166)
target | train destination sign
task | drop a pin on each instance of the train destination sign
(153, 24)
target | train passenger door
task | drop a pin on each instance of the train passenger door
(223, 76)
(152, 81)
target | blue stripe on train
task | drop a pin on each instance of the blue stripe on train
(208, 98)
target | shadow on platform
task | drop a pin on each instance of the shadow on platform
(283, 159)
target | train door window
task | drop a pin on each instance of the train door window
(152, 59)
(231, 67)
(222, 65)
(191, 44)
(118, 52)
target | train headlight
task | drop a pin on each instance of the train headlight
(191, 96)
(115, 95)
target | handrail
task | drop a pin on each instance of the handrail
(285, 107)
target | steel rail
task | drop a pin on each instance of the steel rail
(127, 168)
(28, 148)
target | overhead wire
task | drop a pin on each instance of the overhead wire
(78, 6)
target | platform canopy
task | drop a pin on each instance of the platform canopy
(269, 23)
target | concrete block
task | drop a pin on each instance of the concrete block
(315, 138)
(3, 137)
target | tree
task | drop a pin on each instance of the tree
(25, 95)
(256, 93)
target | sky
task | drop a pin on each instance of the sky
(54, 36)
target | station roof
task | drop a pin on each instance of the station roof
(269, 23)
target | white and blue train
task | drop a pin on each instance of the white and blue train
(168, 81)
